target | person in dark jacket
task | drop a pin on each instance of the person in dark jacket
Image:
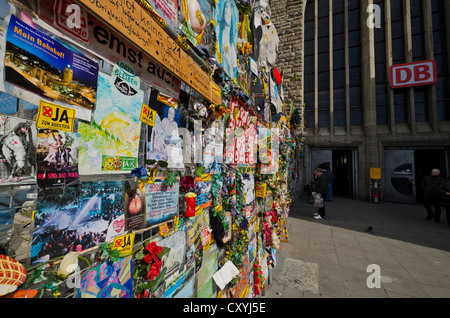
(444, 199)
(320, 186)
(430, 185)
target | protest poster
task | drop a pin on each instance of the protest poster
(241, 137)
(57, 158)
(161, 202)
(42, 65)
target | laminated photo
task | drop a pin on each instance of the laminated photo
(17, 150)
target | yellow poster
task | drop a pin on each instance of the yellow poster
(124, 244)
(375, 173)
(148, 115)
(55, 117)
(136, 24)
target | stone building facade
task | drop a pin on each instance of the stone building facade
(342, 52)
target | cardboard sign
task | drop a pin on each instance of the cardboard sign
(55, 117)
(261, 190)
(124, 244)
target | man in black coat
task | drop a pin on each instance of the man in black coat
(430, 185)
(320, 186)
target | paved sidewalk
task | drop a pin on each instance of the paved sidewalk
(329, 258)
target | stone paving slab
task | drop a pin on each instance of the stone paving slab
(330, 258)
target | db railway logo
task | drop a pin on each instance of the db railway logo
(413, 74)
(55, 117)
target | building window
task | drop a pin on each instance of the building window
(440, 38)
(309, 65)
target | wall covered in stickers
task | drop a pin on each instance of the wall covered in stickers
(127, 172)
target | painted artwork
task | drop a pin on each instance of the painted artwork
(17, 150)
(57, 158)
(108, 280)
(110, 144)
(44, 66)
(165, 138)
(226, 16)
(76, 218)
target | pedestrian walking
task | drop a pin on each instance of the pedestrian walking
(430, 186)
(330, 179)
(320, 187)
(444, 199)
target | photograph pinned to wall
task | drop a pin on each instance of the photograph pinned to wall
(203, 188)
(161, 202)
(213, 149)
(194, 241)
(228, 221)
(196, 17)
(76, 219)
(44, 66)
(110, 144)
(108, 280)
(181, 285)
(167, 9)
(17, 150)
(226, 16)
(134, 209)
(57, 158)
(165, 138)
(175, 260)
(206, 285)
(13, 106)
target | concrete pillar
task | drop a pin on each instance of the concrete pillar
(371, 158)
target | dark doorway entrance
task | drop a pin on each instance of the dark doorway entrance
(426, 160)
(342, 167)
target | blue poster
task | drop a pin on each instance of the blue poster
(46, 67)
(226, 15)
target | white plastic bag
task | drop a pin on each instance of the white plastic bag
(318, 200)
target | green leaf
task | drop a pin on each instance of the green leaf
(164, 251)
(199, 171)
(157, 281)
(171, 179)
(140, 255)
(115, 255)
